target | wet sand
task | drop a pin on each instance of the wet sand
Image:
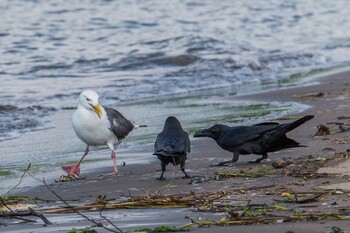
(140, 179)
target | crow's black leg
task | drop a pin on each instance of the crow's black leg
(182, 164)
(163, 170)
(264, 156)
(234, 159)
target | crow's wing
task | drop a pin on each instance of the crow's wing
(241, 134)
(172, 143)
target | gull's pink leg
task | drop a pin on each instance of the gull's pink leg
(113, 156)
(75, 168)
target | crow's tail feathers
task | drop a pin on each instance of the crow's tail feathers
(295, 124)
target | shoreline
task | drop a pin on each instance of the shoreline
(58, 145)
(138, 180)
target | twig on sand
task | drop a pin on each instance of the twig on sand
(109, 221)
(31, 212)
(98, 224)
(20, 181)
(17, 214)
(3, 203)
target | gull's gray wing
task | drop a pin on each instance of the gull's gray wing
(120, 126)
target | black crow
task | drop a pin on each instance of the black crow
(257, 139)
(172, 145)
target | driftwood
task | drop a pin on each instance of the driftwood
(20, 214)
(205, 201)
(164, 201)
(31, 212)
(99, 224)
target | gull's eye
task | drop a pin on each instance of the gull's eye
(88, 99)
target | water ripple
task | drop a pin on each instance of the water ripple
(141, 49)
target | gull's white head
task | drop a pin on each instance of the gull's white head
(89, 100)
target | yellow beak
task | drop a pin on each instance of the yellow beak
(97, 109)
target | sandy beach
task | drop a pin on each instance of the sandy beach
(328, 101)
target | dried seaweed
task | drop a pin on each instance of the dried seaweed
(296, 199)
(322, 130)
(259, 173)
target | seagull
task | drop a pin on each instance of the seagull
(96, 125)
(172, 145)
(256, 139)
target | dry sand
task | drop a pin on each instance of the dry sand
(140, 179)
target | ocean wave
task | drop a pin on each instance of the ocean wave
(157, 59)
(150, 50)
(17, 120)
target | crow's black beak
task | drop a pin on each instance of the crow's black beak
(202, 133)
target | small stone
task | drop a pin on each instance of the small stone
(288, 160)
(279, 163)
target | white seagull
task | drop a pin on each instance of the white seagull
(96, 125)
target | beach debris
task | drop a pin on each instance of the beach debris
(308, 175)
(306, 198)
(311, 96)
(20, 214)
(101, 200)
(111, 228)
(217, 201)
(199, 180)
(70, 177)
(335, 229)
(82, 230)
(339, 141)
(288, 160)
(337, 192)
(161, 229)
(286, 194)
(267, 214)
(13, 207)
(20, 180)
(258, 173)
(322, 130)
(15, 202)
(344, 128)
(313, 158)
(329, 149)
(281, 163)
(343, 117)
